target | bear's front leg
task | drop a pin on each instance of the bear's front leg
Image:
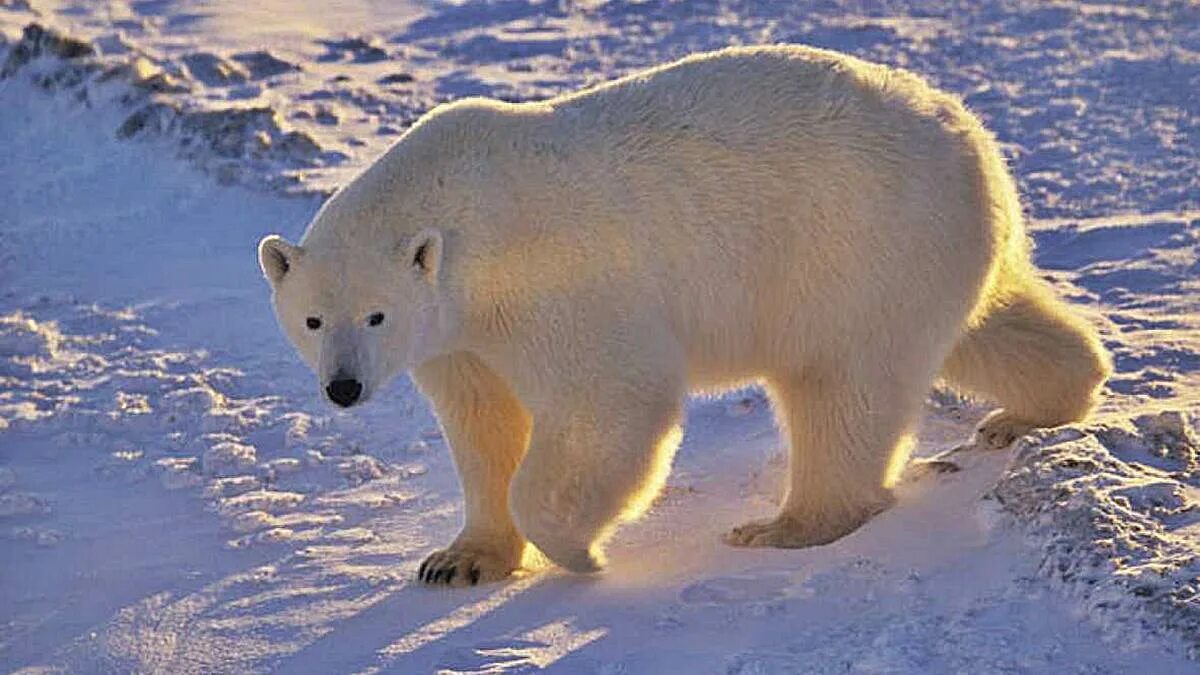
(488, 431)
(599, 454)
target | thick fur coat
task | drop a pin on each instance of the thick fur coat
(559, 275)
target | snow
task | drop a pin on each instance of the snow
(1112, 511)
(174, 496)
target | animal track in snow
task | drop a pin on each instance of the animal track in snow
(100, 380)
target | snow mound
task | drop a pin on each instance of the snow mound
(243, 145)
(1114, 511)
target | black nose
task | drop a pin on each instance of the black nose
(343, 392)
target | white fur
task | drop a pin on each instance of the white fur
(832, 228)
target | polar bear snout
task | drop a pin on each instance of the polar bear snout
(344, 391)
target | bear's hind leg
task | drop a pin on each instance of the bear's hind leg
(1043, 364)
(846, 439)
(488, 430)
(597, 454)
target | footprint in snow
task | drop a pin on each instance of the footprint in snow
(733, 590)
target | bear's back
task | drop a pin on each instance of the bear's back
(759, 95)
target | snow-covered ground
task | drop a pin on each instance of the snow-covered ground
(175, 498)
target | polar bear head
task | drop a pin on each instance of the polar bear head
(358, 316)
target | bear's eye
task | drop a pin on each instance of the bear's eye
(375, 319)
(312, 322)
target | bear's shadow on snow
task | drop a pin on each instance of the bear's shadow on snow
(533, 622)
(425, 629)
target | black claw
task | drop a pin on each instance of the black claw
(437, 576)
(421, 571)
(474, 574)
(450, 573)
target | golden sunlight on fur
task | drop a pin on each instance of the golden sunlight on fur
(559, 275)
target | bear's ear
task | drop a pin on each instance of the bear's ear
(276, 256)
(424, 254)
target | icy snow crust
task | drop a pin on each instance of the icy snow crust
(1112, 511)
(175, 498)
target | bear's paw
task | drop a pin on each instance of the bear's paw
(466, 566)
(793, 532)
(1000, 429)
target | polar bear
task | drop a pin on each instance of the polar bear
(559, 275)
